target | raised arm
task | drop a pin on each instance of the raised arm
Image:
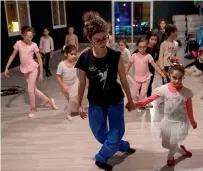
(147, 100)
(191, 64)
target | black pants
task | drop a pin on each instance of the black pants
(168, 80)
(152, 70)
(46, 57)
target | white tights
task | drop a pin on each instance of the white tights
(173, 148)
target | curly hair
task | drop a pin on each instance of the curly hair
(93, 24)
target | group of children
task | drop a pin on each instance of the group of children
(101, 64)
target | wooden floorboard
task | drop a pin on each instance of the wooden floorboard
(51, 143)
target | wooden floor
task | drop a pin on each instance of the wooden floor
(51, 143)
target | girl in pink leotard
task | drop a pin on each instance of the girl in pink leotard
(177, 111)
(29, 67)
(142, 75)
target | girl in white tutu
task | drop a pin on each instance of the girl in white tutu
(177, 111)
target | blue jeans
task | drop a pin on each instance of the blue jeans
(111, 139)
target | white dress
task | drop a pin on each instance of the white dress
(70, 79)
(174, 125)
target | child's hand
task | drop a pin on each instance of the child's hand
(6, 73)
(40, 77)
(164, 72)
(130, 106)
(65, 90)
(82, 113)
(51, 54)
(194, 125)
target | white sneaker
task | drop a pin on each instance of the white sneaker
(31, 115)
(70, 118)
(54, 104)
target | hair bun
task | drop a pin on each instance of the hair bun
(90, 16)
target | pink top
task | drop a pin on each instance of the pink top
(141, 63)
(26, 54)
(172, 89)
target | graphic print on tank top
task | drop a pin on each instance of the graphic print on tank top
(100, 73)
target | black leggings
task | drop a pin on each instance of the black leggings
(46, 57)
(168, 80)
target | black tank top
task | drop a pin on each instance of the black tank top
(102, 73)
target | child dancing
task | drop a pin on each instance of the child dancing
(68, 80)
(196, 68)
(177, 111)
(142, 75)
(168, 49)
(29, 67)
(46, 47)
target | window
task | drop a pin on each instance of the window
(17, 16)
(58, 14)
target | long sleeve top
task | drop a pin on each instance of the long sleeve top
(173, 90)
(198, 63)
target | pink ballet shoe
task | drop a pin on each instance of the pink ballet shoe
(187, 153)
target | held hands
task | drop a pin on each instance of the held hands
(130, 106)
(82, 113)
